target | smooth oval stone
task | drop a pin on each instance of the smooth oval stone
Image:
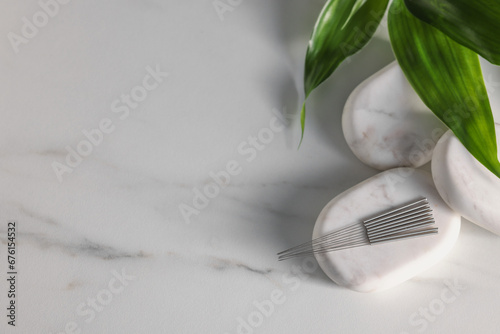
(465, 184)
(491, 74)
(378, 267)
(386, 125)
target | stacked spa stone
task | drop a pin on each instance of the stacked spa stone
(388, 127)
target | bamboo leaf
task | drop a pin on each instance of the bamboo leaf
(342, 28)
(472, 23)
(448, 78)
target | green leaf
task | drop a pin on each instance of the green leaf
(342, 28)
(472, 23)
(448, 78)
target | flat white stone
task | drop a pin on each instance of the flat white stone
(465, 184)
(379, 267)
(387, 125)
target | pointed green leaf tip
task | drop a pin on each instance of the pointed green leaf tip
(342, 28)
(447, 76)
(302, 122)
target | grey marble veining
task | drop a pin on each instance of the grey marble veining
(107, 250)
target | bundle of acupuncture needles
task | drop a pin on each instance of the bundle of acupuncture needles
(408, 221)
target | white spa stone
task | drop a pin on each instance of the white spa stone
(465, 184)
(379, 267)
(386, 125)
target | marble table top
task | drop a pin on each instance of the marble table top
(149, 161)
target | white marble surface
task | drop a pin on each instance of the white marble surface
(382, 266)
(118, 210)
(386, 124)
(465, 184)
